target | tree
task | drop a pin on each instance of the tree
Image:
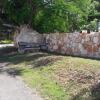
(50, 15)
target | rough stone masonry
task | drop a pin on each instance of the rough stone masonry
(76, 44)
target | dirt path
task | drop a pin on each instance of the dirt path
(13, 88)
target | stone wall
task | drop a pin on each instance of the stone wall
(76, 44)
(28, 35)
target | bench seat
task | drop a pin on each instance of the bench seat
(24, 46)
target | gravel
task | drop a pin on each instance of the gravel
(13, 88)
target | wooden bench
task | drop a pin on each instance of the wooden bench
(24, 47)
(44, 46)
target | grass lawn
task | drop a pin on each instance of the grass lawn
(58, 77)
(6, 41)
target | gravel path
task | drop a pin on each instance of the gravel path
(14, 89)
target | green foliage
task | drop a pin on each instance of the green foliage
(50, 15)
(91, 25)
(6, 42)
(18, 11)
(51, 19)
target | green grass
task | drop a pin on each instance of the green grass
(44, 85)
(5, 41)
(57, 77)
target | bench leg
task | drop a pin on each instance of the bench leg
(21, 51)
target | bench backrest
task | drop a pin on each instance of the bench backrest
(25, 44)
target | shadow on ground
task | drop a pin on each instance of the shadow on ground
(37, 59)
(13, 72)
(93, 93)
(10, 56)
(7, 50)
(4, 68)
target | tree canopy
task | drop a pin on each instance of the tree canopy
(51, 15)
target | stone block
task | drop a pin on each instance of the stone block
(95, 40)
